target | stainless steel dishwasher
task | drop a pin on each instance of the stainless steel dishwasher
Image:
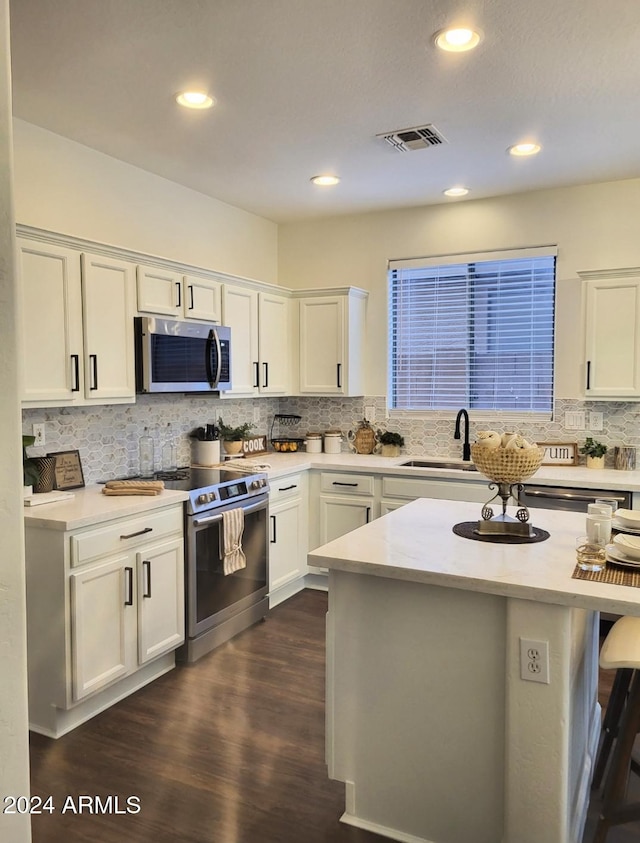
(568, 498)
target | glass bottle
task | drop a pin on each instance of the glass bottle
(147, 454)
(169, 458)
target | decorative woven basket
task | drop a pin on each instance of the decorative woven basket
(507, 465)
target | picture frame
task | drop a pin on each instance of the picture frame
(559, 453)
(68, 470)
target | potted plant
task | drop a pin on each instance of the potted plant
(30, 473)
(594, 452)
(391, 443)
(232, 436)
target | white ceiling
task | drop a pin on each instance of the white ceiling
(303, 87)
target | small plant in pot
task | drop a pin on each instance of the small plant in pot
(391, 443)
(30, 473)
(594, 452)
(232, 436)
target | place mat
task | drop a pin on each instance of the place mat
(611, 573)
(466, 529)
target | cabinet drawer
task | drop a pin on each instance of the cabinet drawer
(285, 487)
(347, 484)
(411, 488)
(122, 535)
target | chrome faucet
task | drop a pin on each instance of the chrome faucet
(466, 448)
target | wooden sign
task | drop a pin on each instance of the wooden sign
(254, 445)
(559, 453)
(68, 470)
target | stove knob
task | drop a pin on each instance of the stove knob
(211, 497)
(202, 498)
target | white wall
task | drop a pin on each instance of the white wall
(14, 747)
(594, 227)
(64, 186)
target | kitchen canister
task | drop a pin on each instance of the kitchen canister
(624, 458)
(332, 441)
(205, 451)
(313, 443)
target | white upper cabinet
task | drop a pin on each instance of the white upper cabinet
(52, 344)
(77, 326)
(260, 341)
(274, 346)
(107, 306)
(168, 293)
(332, 343)
(612, 333)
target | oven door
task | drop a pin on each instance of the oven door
(212, 596)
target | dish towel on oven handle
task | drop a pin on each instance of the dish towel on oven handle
(233, 528)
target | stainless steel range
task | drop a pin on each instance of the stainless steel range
(218, 606)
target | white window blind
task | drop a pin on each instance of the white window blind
(476, 334)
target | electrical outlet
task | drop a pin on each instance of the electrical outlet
(370, 413)
(534, 660)
(596, 421)
(38, 432)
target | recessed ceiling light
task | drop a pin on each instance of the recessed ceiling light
(521, 149)
(457, 39)
(194, 99)
(456, 191)
(325, 181)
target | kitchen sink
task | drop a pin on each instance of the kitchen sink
(469, 466)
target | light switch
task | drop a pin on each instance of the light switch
(575, 420)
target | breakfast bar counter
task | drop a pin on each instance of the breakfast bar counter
(429, 723)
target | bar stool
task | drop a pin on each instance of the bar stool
(620, 652)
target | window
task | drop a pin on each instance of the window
(476, 334)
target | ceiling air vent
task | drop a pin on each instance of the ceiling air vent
(406, 140)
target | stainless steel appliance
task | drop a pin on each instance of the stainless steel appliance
(174, 355)
(218, 606)
(567, 498)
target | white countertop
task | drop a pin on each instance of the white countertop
(89, 507)
(577, 476)
(416, 543)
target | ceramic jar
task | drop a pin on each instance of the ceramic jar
(313, 443)
(332, 441)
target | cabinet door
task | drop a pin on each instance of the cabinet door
(202, 299)
(613, 338)
(51, 311)
(240, 313)
(160, 570)
(341, 515)
(322, 346)
(159, 291)
(274, 348)
(107, 300)
(102, 614)
(286, 547)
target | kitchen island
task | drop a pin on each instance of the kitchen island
(429, 723)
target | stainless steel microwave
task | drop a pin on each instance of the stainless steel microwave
(173, 355)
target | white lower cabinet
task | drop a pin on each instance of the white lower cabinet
(342, 515)
(287, 537)
(105, 612)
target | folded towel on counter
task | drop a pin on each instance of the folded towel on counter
(233, 528)
(250, 466)
(133, 487)
(148, 492)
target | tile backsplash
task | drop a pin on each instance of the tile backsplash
(107, 436)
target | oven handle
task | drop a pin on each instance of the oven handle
(211, 519)
(568, 496)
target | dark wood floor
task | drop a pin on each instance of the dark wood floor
(228, 750)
